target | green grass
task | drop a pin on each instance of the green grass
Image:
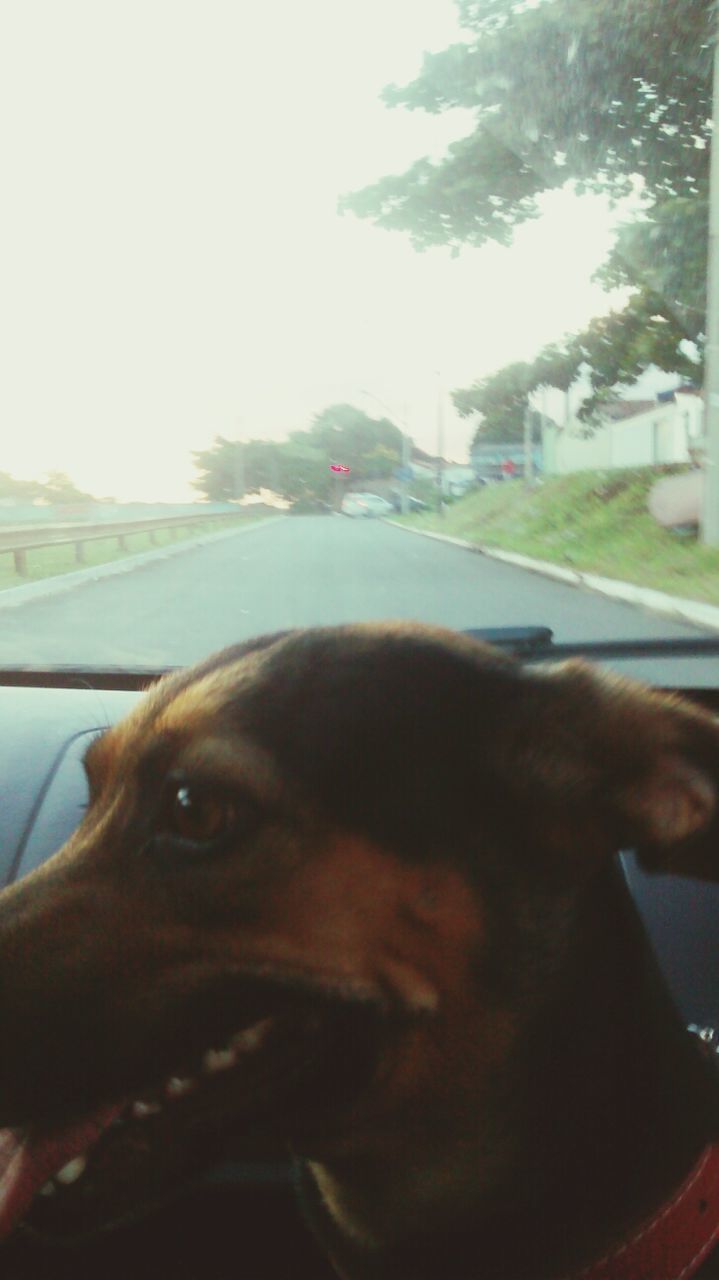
(49, 562)
(596, 521)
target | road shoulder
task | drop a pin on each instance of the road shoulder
(694, 611)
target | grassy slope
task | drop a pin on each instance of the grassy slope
(593, 520)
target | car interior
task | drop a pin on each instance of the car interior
(51, 717)
(328, 314)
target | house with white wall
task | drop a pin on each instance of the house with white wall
(629, 433)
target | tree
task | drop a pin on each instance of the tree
(663, 255)
(599, 95)
(300, 467)
(292, 469)
(501, 399)
(594, 92)
(304, 470)
(370, 447)
(56, 488)
(217, 467)
(59, 488)
(19, 490)
(610, 354)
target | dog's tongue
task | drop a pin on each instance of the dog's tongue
(28, 1160)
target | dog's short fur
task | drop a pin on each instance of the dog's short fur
(389, 850)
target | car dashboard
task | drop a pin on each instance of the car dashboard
(50, 717)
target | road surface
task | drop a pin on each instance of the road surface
(301, 571)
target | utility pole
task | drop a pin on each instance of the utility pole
(710, 514)
(340, 483)
(528, 452)
(239, 471)
(404, 483)
(440, 443)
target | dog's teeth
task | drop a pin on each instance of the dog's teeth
(142, 1109)
(49, 1189)
(218, 1060)
(73, 1170)
(178, 1086)
(252, 1037)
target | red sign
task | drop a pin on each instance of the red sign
(335, 466)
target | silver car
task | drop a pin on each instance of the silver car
(365, 504)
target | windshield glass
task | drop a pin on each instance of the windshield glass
(304, 305)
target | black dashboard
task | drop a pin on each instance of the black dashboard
(45, 733)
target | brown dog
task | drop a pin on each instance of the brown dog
(350, 893)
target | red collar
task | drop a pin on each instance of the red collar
(673, 1244)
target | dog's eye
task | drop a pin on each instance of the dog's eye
(195, 814)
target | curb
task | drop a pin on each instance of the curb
(702, 615)
(44, 588)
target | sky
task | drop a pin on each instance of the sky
(172, 264)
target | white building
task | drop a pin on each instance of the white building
(630, 433)
(457, 478)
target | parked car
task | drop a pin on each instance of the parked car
(413, 504)
(352, 505)
(365, 504)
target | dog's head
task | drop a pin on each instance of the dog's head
(322, 877)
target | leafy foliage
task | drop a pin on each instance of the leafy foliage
(592, 92)
(664, 254)
(299, 469)
(611, 353)
(370, 447)
(230, 469)
(602, 95)
(502, 400)
(57, 488)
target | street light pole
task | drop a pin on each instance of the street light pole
(710, 514)
(440, 443)
(528, 446)
(404, 482)
(239, 472)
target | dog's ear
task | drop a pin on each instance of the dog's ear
(651, 764)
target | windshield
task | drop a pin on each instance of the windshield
(305, 306)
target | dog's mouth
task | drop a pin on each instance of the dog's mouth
(287, 1076)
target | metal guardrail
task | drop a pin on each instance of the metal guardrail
(18, 544)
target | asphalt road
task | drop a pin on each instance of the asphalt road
(301, 571)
